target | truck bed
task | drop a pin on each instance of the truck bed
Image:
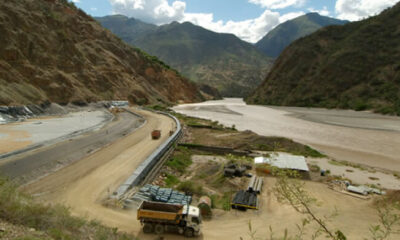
(159, 211)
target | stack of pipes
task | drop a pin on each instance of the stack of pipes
(255, 184)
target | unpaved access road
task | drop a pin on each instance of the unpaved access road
(29, 165)
(360, 137)
(84, 184)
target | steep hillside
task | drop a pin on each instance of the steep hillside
(284, 34)
(222, 61)
(352, 66)
(52, 51)
(126, 28)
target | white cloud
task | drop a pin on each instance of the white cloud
(153, 11)
(160, 12)
(324, 11)
(278, 4)
(249, 30)
(289, 16)
(75, 1)
(358, 9)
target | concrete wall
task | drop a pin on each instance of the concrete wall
(147, 165)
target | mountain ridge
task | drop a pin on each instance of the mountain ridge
(220, 60)
(53, 51)
(355, 66)
(275, 41)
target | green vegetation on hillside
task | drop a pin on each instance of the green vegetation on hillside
(223, 61)
(284, 34)
(355, 66)
(49, 222)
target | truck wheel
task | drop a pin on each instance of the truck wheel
(148, 228)
(189, 232)
(159, 229)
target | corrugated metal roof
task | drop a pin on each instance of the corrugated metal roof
(285, 161)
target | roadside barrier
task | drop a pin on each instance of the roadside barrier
(147, 165)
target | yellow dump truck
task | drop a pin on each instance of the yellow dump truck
(163, 217)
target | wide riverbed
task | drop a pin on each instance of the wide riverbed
(360, 137)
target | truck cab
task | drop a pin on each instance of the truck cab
(159, 217)
(193, 218)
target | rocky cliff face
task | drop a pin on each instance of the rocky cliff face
(52, 51)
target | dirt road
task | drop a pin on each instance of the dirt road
(84, 184)
(29, 165)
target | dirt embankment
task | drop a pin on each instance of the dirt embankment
(32, 164)
(84, 185)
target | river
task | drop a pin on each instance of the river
(359, 137)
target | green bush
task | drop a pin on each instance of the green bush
(180, 160)
(171, 181)
(190, 187)
(221, 202)
(310, 152)
(56, 221)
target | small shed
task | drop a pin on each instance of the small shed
(205, 207)
(284, 161)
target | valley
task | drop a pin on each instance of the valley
(176, 120)
(358, 137)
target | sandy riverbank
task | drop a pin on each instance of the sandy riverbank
(358, 137)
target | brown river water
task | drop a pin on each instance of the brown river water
(359, 137)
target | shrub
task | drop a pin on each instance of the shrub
(190, 187)
(56, 221)
(171, 180)
(180, 160)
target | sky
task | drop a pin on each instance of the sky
(250, 20)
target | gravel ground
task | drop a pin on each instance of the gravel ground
(12, 232)
(358, 175)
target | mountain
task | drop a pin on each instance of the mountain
(353, 66)
(52, 51)
(222, 61)
(126, 28)
(281, 36)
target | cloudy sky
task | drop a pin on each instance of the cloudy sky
(250, 20)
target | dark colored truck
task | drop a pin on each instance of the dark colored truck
(155, 134)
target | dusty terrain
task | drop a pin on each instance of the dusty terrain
(84, 185)
(358, 174)
(31, 164)
(358, 137)
(354, 215)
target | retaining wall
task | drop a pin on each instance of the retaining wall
(147, 165)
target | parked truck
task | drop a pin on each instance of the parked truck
(155, 134)
(164, 217)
